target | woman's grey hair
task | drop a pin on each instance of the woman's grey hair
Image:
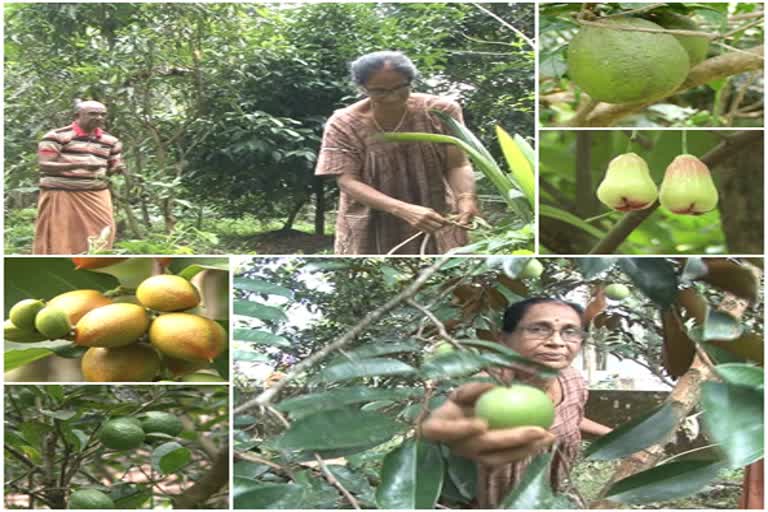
(363, 67)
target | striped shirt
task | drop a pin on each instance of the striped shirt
(71, 144)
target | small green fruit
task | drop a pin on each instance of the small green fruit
(443, 348)
(90, 499)
(53, 323)
(515, 406)
(163, 422)
(532, 269)
(121, 434)
(627, 184)
(23, 313)
(688, 188)
(616, 291)
(18, 335)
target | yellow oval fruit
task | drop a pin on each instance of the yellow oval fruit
(133, 363)
(78, 302)
(167, 293)
(188, 337)
(23, 313)
(53, 323)
(12, 332)
(113, 325)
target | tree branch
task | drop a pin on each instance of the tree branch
(711, 69)
(266, 397)
(213, 480)
(522, 36)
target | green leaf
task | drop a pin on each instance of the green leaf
(170, 457)
(462, 473)
(337, 398)
(261, 286)
(380, 348)
(261, 311)
(373, 367)
(18, 358)
(411, 476)
(592, 267)
(129, 496)
(453, 364)
(534, 490)
(15, 358)
(665, 482)
(339, 429)
(509, 356)
(635, 435)
(248, 469)
(720, 325)
(518, 164)
(62, 415)
(733, 415)
(655, 277)
(740, 374)
(250, 494)
(260, 337)
(569, 218)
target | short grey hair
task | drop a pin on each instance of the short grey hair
(363, 67)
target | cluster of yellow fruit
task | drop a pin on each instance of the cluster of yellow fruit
(116, 331)
(626, 59)
(687, 187)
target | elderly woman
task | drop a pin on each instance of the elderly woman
(392, 191)
(549, 332)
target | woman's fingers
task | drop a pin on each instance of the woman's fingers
(467, 394)
(504, 440)
(504, 457)
(452, 430)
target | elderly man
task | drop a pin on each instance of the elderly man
(74, 209)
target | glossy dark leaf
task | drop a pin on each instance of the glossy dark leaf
(535, 489)
(665, 482)
(635, 435)
(411, 477)
(733, 416)
(373, 367)
(304, 405)
(655, 277)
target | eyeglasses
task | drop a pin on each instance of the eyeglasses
(380, 93)
(544, 332)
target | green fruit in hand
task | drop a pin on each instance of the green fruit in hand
(90, 499)
(515, 406)
(167, 293)
(78, 302)
(163, 422)
(616, 291)
(626, 66)
(202, 377)
(113, 325)
(121, 434)
(137, 362)
(53, 323)
(696, 47)
(627, 184)
(23, 313)
(188, 337)
(18, 335)
(688, 188)
(532, 269)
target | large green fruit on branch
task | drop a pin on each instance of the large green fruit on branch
(121, 434)
(626, 66)
(515, 406)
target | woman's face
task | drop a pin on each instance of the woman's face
(549, 333)
(388, 88)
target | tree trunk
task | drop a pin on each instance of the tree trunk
(293, 214)
(319, 191)
(741, 199)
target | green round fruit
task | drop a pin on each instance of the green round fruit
(626, 66)
(443, 348)
(89, 499)
(163, 422)
(515, 406)
(616, 291)
(23, 313)
(16, 334)
(53, 323)
(532, 269)
(121, 434)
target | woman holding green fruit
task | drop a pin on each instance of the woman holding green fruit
(502, 428)
(392, 192)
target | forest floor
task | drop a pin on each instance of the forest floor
(288, 242)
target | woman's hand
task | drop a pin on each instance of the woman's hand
(467, 207)
(422, 218)
(453, 423)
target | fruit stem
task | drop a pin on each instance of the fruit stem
(685, 141)
(631, 139)
(602, 215)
